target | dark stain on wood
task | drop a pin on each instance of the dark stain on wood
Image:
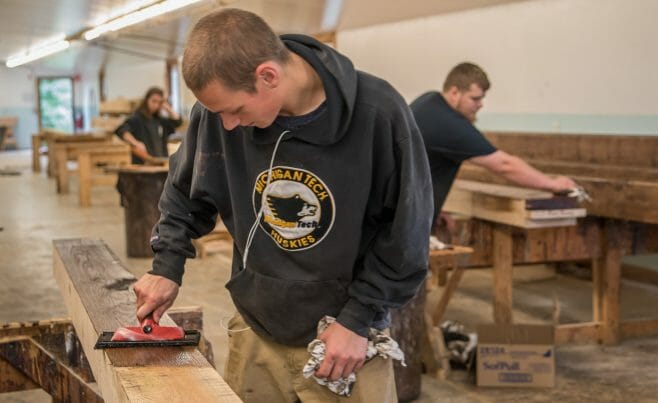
(121, 284)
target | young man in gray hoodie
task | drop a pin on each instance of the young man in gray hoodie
(319, 173)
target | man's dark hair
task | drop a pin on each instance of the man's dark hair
(465, 74)
(227, 46)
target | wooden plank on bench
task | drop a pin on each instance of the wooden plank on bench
(509, 205)
(614, 197)
(95, 286)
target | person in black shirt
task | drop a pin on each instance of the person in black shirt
(446, 122)
(146, 130)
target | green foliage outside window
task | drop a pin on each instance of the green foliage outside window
(56, 103)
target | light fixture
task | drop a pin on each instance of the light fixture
(137, 17)
(37, 52)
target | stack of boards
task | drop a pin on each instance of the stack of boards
(516, 206)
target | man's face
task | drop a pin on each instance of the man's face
(240, 108)
(469, 102)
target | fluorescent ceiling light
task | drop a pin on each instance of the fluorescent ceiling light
(332, 11)
(38, 52)
(119, 11)
(137, 17)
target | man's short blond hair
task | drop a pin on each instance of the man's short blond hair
(465, 74)
(227, 46)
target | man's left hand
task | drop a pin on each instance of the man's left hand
(345, 352)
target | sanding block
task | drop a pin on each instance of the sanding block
(148, 334)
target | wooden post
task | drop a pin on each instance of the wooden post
(608, 267)
(96, 290)
(140, 188)
(84, 177)
(407, 328)
(60, 167)
(451, 286)
(36, 157)
(502, 271)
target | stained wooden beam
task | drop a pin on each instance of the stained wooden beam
(639, 327)
(95, 286)
(616, 150)
(586, 332)
(44, 369)
(58, 337)
(36, 328)
(13, 380)
(502, 273)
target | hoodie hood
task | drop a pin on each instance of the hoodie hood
(339, 79)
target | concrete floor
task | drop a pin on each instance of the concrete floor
(33, 214)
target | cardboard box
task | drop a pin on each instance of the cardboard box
(516, 355)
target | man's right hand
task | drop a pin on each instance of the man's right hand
(155, 294)
(562, 183)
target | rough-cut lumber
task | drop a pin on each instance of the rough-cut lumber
(626, 150)
(13, 380)
(191, 318)
(57, 336)
(628, 198)
(641, 327)
(44, 369)
(619, 172)
(95, 286)
(577, 333)
(509, 205)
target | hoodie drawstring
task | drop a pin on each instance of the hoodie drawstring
(254, 227)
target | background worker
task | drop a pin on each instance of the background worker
(319, 174)
(446, 119)
(148, 128)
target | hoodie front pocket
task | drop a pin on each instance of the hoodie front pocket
(287, 311)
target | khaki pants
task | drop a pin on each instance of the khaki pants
(262, 371)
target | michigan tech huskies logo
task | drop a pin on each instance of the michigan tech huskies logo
(298, 208)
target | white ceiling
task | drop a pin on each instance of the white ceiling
(25, 23)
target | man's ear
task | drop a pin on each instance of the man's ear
(269, 74)
(452, 95)
(454, 91)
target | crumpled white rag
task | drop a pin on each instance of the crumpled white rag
(379, 343)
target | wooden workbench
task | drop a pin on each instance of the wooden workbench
(88, 156)
(621, 175)
(53, 137)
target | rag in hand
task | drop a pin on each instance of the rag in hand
(379, 343)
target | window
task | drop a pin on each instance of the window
(56, 103)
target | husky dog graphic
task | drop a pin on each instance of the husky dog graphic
(288, 211)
